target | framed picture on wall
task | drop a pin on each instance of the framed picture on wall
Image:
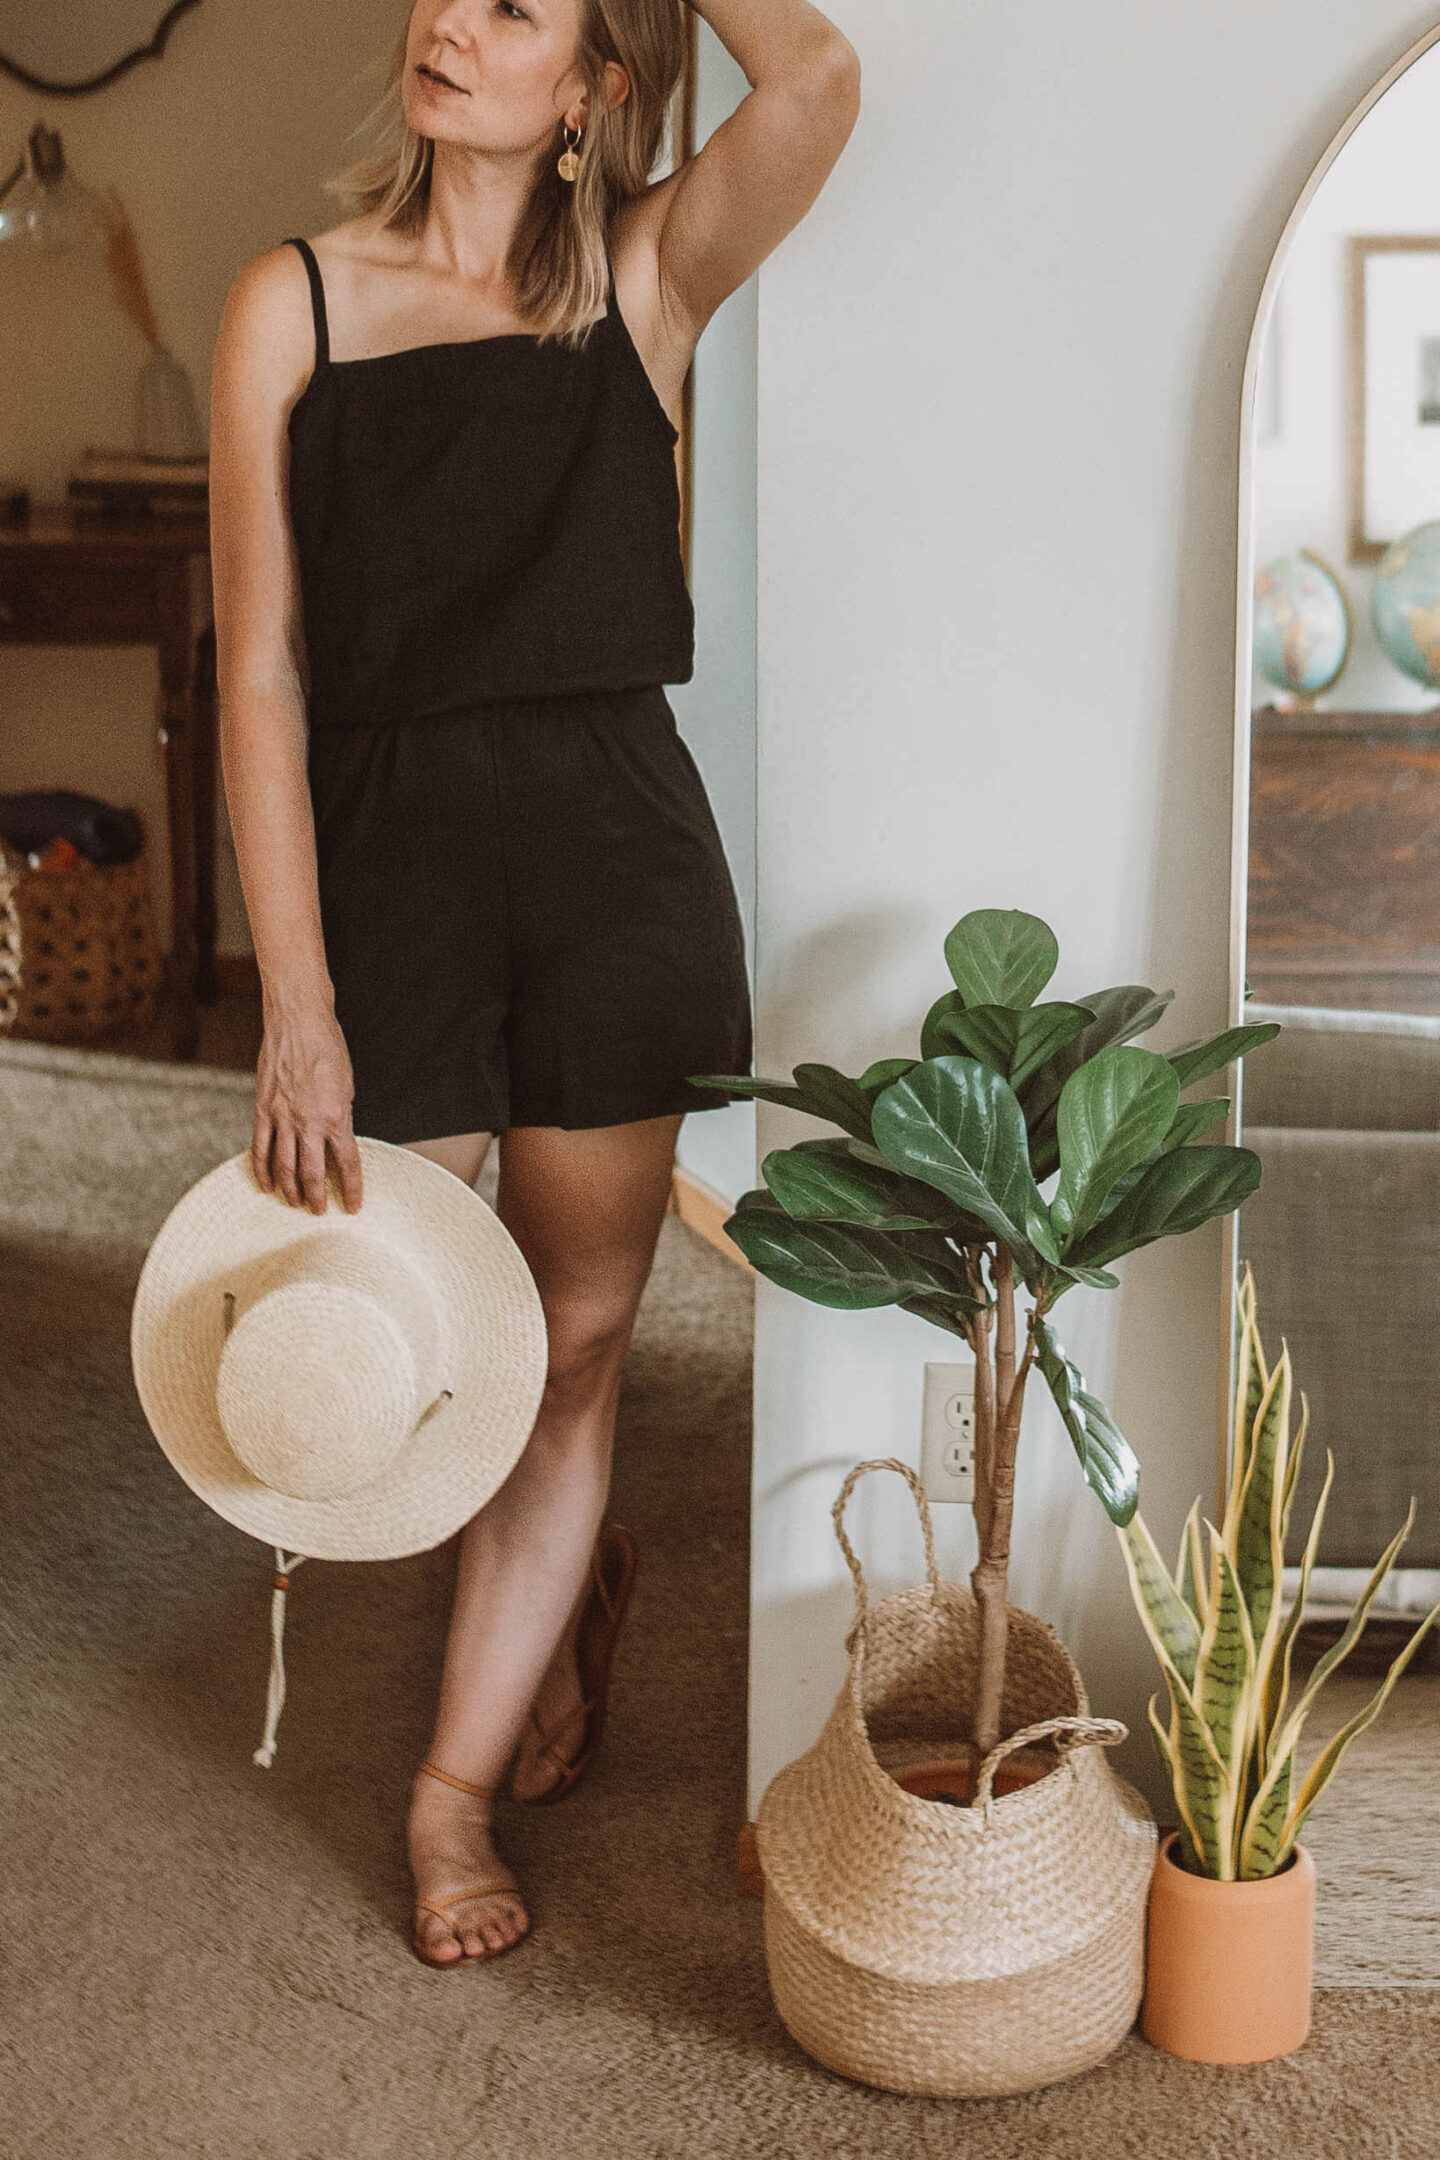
(1394, 388)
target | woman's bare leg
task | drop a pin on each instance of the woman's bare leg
(464, 1153)
(585, 1208)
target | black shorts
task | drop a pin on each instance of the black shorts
(528, 916)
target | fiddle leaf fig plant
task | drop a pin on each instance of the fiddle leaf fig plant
(933, 1199)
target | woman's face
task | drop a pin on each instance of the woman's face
(492, 74)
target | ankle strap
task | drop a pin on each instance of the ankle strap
(481, 1792)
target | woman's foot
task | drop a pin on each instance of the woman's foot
(559, 1708)
(450, 1849)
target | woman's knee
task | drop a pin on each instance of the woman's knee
(585, 1355)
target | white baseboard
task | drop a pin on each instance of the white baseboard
(705, 1211)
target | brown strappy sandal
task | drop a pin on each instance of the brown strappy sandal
(441, 1906)
(613, 1565)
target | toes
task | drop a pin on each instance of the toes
(494, 1930)
(438, 1941)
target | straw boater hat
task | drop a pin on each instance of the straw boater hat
(347, 1387)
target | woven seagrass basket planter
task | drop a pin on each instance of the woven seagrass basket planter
(953, 1951)
(79, 952)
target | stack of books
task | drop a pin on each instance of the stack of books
(121, 483)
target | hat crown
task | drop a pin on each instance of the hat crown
(335, 1351)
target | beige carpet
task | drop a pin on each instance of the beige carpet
(200, 1959)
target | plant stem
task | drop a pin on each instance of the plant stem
(990, 1581)
(979, 1336)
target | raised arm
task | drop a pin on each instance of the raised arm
(763, 167)
(304, 1083)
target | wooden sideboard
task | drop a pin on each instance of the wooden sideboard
(1344, 896)
(67, 580)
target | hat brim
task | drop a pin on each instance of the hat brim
(462, 1451)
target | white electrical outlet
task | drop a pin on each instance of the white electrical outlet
(947, 1453)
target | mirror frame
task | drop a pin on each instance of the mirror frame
(1244, 678)
(152, 51)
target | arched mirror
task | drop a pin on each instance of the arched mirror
(1337, 896)
(65, 47)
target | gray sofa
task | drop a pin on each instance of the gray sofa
(1343, 1109)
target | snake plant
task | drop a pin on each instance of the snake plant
(1226, 1643)
(931, 1197)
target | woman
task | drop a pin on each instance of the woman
(485, 888)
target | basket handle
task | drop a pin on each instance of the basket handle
(837, 1512)
(1080, 1732)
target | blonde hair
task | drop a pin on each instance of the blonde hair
(558, 259)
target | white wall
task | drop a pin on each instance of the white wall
(716, 709)
(1000, 369)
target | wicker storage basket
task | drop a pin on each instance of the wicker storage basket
(79, 954)
(943, 1950)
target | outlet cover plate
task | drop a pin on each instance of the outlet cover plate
(947, 1451)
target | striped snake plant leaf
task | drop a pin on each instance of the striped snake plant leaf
(1290, 1731)
(1253, 1530)
(1114, 1115)
(1190, 1856)
(1200, 1787)
(1328, 1760)
(1224, 1687)
(1292, 1468)
(1169, 1621)
(1191, 1579)
(1196, 1772)
(1262, 1834)
(1276, 1681)
(1251, 1380)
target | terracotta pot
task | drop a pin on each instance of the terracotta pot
(1228, 1964)
(954, 1780)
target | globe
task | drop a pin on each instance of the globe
(1302, 624)
(1406, 605)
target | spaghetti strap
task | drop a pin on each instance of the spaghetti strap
(317, 299)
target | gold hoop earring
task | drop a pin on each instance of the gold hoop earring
(568, 166)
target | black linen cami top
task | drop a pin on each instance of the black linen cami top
(484, 518)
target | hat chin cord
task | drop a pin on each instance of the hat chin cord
(285, 1566)
(286, 1563)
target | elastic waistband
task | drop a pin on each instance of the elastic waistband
(560, 704)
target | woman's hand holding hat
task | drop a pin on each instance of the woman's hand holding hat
(304, 1086)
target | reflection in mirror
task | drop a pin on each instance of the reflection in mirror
(1343, 917)
(78, 44)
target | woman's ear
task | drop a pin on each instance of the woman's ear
(615, 86)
